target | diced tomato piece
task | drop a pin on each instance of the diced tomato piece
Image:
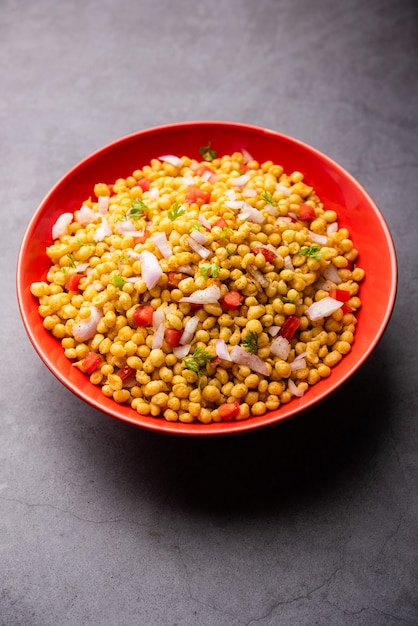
(229, 410)
(195, 194)
(125, 372)
(143, 315)
(173, 336)
(232, 300)
(306, 213)
(195, 307)
(91, 362)
(290, 326)
(202, 169)
(342, 295)
(346, 308)
(142, 238)
(350, 265)
(215, 361)
(73, 281)
(173, 279)
(221, 222)
(244, 168)
(144, 183)
(266, 252)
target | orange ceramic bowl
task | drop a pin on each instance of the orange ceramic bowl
(336, 188)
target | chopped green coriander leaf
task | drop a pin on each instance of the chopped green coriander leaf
(87, 243)
(225, 232)
(290, 300)
(137, 209)
(72, 262)
(194, 226)
(197, 361)
(118, 281)
(175, 211)
(268, 198)
(311, 251)
(211, 269)
(250, 342)
(229, 252)
(208, 153)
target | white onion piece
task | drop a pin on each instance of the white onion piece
(172, 159)
(297, 364)
(241, 180)
(207, 175)
(104, 230)
(331, 273)
(158, 318)
(201, 250)
(283, 218)
(204, 221)
(81, 267)
(132, 279)
(271, 209)
(181, 351)
(288, 265)
(250, 193)
(258, 276)
(242, 357)
(86, 328)
(323, 308)
(188, 181)
(103, 204)
(154, 193)
(199, 237)
(98, 286)
(273, 250)
(294, 389)
(151, 269)
(133, 254)
(293, 216)
(247, 156)
(61, 225)
(321, 239)
(283, 189)
(157, 338)
(160, 240)
(273, 330)
(252, 214)
(332, 228)
(222, 350)
(125, 227)
(189, 330)
(186, 269)
(234, 204)
(210, 295)
(322, 283)
(281, 347)
(230, 194)
(86, 215)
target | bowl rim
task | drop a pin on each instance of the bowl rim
(160, 425)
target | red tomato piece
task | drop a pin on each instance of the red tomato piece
(173, 336)
(73, 281)
(142, 238)
(342, 295)
(306, 213)
(125, 372)
(144, 183)
(243, 168)
(221, 222)
(346, 308)
(91, 362)
(202, 169)
(173, 279)
(229, 410)
(194, 306)
(142, 316)
(195, 194)
(267, 254)
(232, 300)
(290, 326)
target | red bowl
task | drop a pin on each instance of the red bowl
(336, 188)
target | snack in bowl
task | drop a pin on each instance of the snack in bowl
(335, 189)
(202, 290)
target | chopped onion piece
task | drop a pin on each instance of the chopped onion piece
(250, 193)
(281, 347)
(204, 252)
(332, 228)
(157, 338)
(258, 276)
(189, 330)
(288, 262)
(273, 250)
(160, 240)
(241, 180)
(324, 284)
(273, 330)
(234, 204)
(298, 364)
(104, 230)
(204, 221)
(293, 216)
(207, 175)
(81, 267)
(151, 269)
(283, 189)
(283, 218)
(321, 239)
(172, 159)
(103, 204)
(188, 181)
(222, 350)
(210, 295)
(61, 225)
(323, 308)
(230, 194)
(186, 269)
(154, 193)
(181, 351)
(158, 318)
(247, 156)
(86, 328)
(126, 228)
(242, 357)
(271, 209)
(199, 237)
(294, 389)
(251, 214)
(331, 273)
(86, 215)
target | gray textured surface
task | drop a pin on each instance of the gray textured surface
(312, 522)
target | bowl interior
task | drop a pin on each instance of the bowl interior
(336, 188)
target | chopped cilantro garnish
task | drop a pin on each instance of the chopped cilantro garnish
(268, 198)
(211, 269)
(71, 258)
(311, 251)
(118, 281)
(290, 300)
(225, 232)
(87, 243)
(175, 211)
(197, 361)
(229, 252)
(208, 153)
(250, 342)
(137, 209)
(194, 226)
